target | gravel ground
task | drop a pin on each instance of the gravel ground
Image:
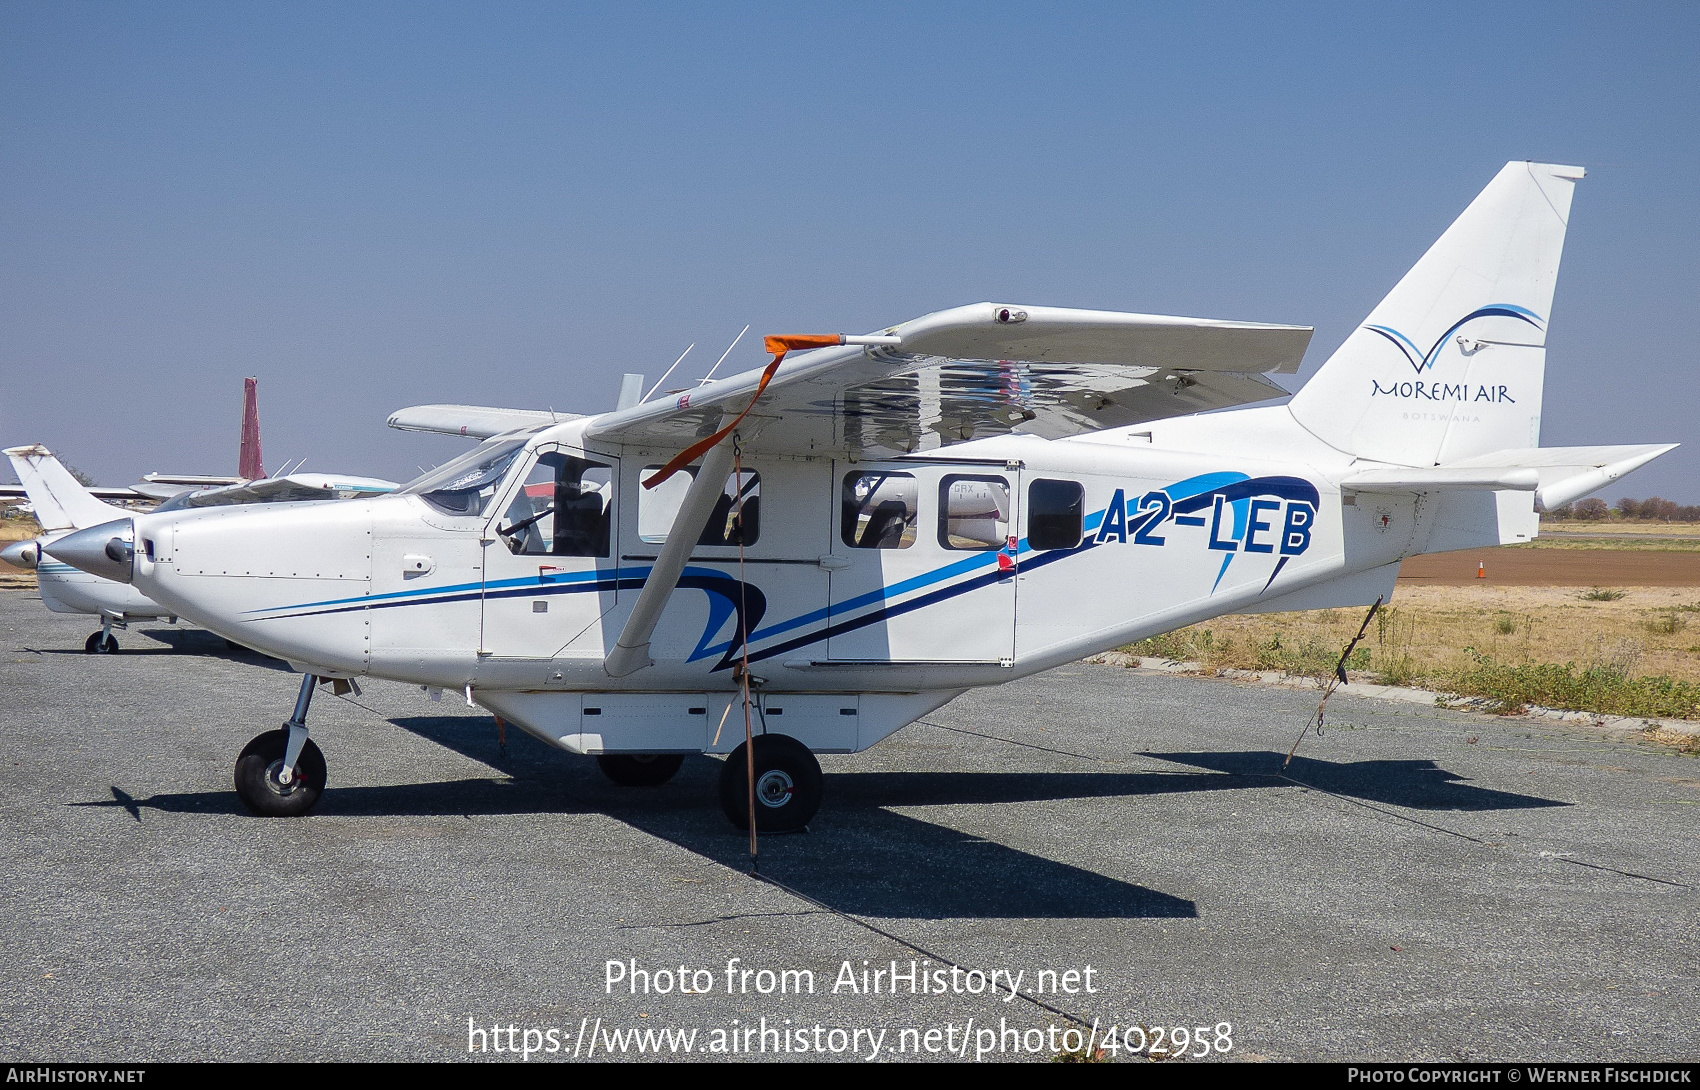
(1426, 885)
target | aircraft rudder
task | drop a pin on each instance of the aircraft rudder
(1450, 364)
(250, 462)
(59, 499)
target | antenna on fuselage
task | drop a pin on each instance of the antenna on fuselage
(723, 355)
(667, 372)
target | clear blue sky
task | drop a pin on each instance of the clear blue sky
(373, 205)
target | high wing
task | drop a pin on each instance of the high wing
(977, 371)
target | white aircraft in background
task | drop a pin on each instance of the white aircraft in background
(834, 546)
(62, 505)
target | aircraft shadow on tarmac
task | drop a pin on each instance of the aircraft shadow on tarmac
(859, 857)
(195, 641)
(182, 641)
(1418, 785)
(862, 857)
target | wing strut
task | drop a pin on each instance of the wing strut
(631, 651)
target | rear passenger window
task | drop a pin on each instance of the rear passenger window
(880, 510)
(1056, 511)
(973, 512)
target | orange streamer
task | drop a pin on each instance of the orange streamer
(778, 346)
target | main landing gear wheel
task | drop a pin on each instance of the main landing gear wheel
(259, 781)
(640, 769)
(101, 643)
(789, 785)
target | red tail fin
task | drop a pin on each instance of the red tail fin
(250, 463)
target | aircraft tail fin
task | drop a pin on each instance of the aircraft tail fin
(1450, 364)
(60, 502)
(250, 463)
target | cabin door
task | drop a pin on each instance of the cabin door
(549, 556)
(924, 563)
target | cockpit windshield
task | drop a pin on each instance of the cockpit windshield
(466, 485)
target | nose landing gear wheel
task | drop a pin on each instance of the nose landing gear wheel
(789, 785)
(259, 783)
(101, 643)
(640, 769)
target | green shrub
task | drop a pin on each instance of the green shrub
(1604, 688)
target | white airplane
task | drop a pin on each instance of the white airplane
(831, 547)
(63, 505)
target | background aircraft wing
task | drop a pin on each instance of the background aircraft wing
(473, 421)
(292, 488)
(978, 371)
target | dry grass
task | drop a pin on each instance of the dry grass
(1574, 534)
(1432, 632)
(18, 529)
(1686, 743)
(1648, 542)
(1614, 528)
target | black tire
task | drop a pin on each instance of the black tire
(640, 769)
(256, 776)
(99, 644)
(789, 785)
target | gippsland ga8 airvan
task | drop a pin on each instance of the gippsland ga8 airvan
(843, 541)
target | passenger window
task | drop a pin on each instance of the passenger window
(563, 509)
(658, 506)
(973, 512)
(881, 510)
(1056, 512)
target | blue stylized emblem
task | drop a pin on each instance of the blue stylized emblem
(1425, 360)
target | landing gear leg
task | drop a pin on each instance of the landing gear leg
(104, 642)
(281, 773)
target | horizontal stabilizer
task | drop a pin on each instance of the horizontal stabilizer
(1569, 473)
(1557, 475)
(474, 421)
(1443, 479)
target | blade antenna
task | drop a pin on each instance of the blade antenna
(723, 355)
(665, 373)
(1334, 682)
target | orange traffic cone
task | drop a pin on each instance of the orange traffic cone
(1481, 570)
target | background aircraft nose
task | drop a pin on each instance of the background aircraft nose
(106, 550)
(22, 554)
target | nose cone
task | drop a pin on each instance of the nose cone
(107, 550)
(22, 554)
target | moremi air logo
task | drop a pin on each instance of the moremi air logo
(1421, 361)
(1230, 513)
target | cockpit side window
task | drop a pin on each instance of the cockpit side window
(564, 508)
(466, 485)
